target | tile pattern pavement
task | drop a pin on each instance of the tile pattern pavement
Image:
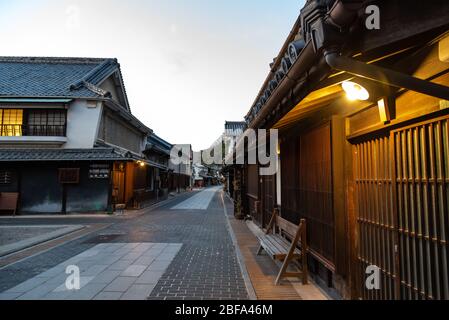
(126, 271)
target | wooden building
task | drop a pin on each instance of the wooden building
(68, 139)
(363, 120)
(152, 180)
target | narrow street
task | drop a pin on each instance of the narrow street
(180, 250)
(217, 150)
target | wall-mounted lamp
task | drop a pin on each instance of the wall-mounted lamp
(355, 91)
(141, 163)
(387, 108)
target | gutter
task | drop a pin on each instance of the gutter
(278, 59)
(340, 16)
(305, 60)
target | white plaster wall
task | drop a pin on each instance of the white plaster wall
(83, 119)
(108, 85)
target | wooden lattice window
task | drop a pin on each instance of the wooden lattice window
(5, 177)
(69, 175)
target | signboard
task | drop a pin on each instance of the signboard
(99, 171)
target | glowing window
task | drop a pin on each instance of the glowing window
(11, 122)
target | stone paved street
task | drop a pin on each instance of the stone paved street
(180, 250)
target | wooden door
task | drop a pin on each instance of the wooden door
(268, 194)
(306, 173)
(118, 184)
(252, 193)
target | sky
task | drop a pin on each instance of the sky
(188, 65)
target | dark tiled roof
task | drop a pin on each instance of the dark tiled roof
(235, 125)
(156, 143)
(62, 154)
(53, 77)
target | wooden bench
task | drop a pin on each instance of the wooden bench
(281, 241)
(8, 201)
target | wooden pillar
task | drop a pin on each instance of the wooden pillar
(338, 139)
(129, 181)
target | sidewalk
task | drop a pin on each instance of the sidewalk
(262, 270)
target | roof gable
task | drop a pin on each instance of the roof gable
(57, 77)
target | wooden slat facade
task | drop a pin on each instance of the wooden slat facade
(307, 187)
(402, 189)
(372, 192)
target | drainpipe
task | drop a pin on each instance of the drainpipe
(385, 76)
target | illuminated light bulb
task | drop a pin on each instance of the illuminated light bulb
(355, 91)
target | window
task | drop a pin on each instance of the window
(32, 122)
(46, 122)
(150, 179)
(5, 177)
(69, 175)
(11, 122)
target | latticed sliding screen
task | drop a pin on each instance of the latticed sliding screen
(402, 188)
(375, 215)
(422, 178)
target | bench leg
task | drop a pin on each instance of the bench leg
(259, 250)
(283, 269)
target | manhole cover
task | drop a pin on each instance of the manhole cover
(102, 238)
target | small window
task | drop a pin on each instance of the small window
(5, 177)
(69, 175)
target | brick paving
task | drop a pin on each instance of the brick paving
(206, 266)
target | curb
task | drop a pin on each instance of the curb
(30, 242)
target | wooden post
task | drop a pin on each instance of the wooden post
(304, 249)
(64, 199)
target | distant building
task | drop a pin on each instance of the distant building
(68, 139)
(233, 130)
(181, 177)
(153, 185)
(232, 133)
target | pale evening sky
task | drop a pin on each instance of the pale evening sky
(188, 65)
